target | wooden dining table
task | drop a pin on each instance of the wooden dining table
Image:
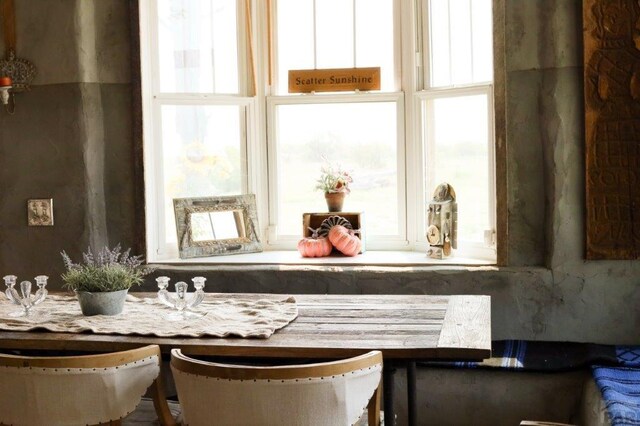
(406, 328)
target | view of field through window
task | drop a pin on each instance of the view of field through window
(460, 156)
(201, 154)
(359, 137)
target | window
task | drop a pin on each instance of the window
(456, 108)
(219, 119)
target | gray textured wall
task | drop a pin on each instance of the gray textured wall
(70, 140)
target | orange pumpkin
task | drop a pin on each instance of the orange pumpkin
(314, 246)
(345, 240)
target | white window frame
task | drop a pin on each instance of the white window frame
(259, 145)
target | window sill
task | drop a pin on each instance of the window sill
(369, 258)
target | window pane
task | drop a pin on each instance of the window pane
(482, 40)
(295, 38)
(460, 42)
(328, 42)
(459, 155)
(334, 33)
(198, 49)
(374, 38)
(201, 154)
(460, 35)
(361, 138)
(439, 25)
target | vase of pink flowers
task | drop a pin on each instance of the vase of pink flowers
(334, 181)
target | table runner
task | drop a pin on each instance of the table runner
(144, 316)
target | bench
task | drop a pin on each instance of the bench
(545, 381)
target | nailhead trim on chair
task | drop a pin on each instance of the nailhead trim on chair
(283, 381)
(81, 369)
(363, 409)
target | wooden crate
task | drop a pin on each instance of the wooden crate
(314, 220)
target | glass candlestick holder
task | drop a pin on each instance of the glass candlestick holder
(24, 298)
(181, 300)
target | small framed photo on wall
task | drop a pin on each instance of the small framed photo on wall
(40, 212)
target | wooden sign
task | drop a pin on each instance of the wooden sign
(334, 80)
(612, 120)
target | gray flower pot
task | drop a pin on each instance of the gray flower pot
(101, 303)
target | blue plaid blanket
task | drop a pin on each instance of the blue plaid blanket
(620, 387)
(549, 356)
(628, 356)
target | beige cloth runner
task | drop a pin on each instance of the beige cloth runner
(223, 317)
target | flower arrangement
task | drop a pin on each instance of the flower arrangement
(334, 180)
(106, 271)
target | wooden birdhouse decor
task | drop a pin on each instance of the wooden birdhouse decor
(442, 222)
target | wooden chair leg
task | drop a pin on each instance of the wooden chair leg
(160, 404)
(373, 409)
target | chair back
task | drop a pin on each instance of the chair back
(331, 393)
(61, 391)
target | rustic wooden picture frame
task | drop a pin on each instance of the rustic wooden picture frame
(248, 240)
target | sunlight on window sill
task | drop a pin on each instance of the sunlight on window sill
(369, 258)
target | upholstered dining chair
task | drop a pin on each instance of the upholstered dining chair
(79, 390)
(330, 393)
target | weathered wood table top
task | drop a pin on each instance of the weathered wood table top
(328, 326)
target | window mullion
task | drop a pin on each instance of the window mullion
(449, 41)
(409, 71)
(272, 173)
(150, 86)
(453, 91)
(471, 50)
(337, 98)
(315, 35)
(493, 212)
(355, 34)
(158, 176)
(213, 50)
(257, 127)
(154, 57)
(419, 10)
(202, 99)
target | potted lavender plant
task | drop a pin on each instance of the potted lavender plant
(101, 281)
